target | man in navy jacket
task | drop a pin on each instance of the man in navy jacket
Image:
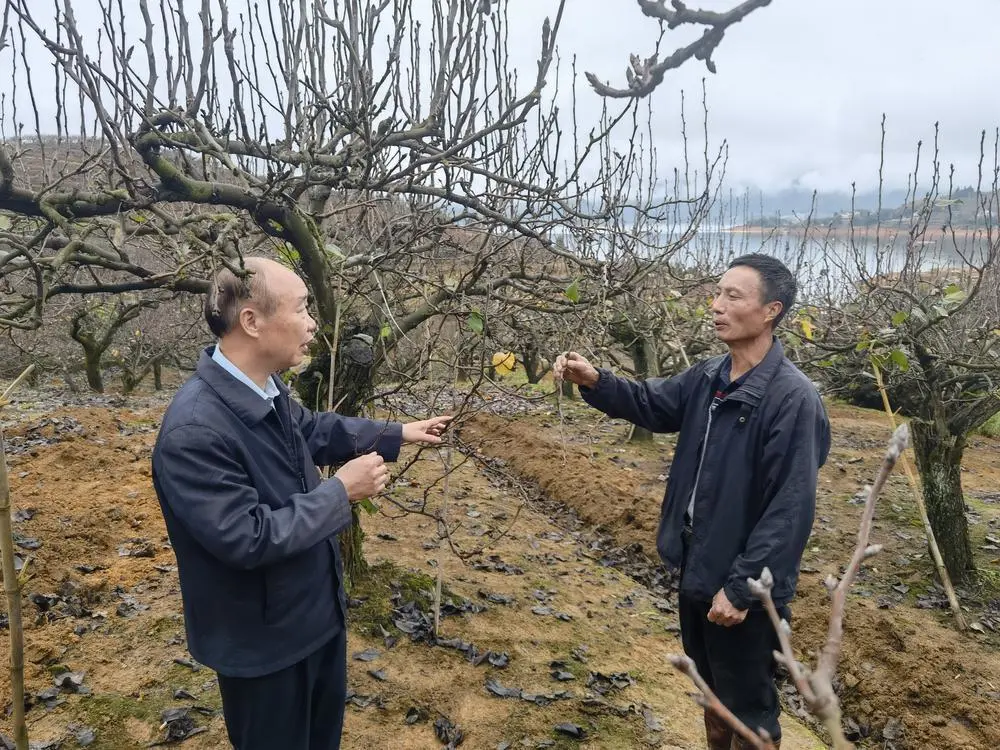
(741, 491)
(254, 526)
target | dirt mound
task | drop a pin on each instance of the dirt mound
(623, 500)
(907, 680)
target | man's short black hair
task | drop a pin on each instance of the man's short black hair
(229, 292)
(777, 282)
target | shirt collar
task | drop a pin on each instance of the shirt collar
(268, 393)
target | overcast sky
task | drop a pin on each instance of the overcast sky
(802, 84)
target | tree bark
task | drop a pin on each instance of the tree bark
(939, 460)
(352, 550)
(532, 363)
(92, 358)
(640, 365)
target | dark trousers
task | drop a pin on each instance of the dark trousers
(299, 708)
(737, 662)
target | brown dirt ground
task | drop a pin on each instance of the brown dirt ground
(91, 493)
(899, 662)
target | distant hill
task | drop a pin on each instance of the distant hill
(798, 201)
(791, 206)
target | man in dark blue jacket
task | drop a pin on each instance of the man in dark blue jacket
(254, 526)
(741, 491)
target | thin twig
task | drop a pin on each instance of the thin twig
(710, 702)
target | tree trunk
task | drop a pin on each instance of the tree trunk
(532, 363)
(92, 358)
(130, 381)
(640, 365)
(939, 460)
(354, 384)
(352, 550)
(157, 376)
(567, 390)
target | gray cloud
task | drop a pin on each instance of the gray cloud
(802, 84)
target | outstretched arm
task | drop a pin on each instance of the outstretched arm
(656, 404)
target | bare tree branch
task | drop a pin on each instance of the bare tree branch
(644, 76)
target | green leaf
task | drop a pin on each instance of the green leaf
(139, 218)
(288, 254)
(4, 222)
(900, 317)
(475, 322)
(369, 506)
(573, 292)
(954, 294)
(386, 331)
(333, 250)
(900, 360)
(862, 345)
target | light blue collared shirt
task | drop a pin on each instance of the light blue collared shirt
(268, 394)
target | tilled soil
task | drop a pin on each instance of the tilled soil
(568, 579)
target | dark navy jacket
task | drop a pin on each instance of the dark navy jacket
(756, 493)
(252, 523)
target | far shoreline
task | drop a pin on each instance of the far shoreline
(820, 231)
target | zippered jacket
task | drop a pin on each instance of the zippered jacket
(252, 523)
(750, 467)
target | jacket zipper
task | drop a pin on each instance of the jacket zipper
(290, 442)
(701, 460)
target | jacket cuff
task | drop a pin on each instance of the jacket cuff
(390, 440)
(341, 505)
(738, 593)
(603, 375)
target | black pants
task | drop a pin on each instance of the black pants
(737, 662)
(299, 708)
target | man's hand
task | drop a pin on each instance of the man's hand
(574, 368)
(724, 613)
(427, 431)
(365, 476)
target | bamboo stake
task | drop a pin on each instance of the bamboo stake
(12, 587)
(942, 571)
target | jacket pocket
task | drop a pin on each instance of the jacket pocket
(292, 586)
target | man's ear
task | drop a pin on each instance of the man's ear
(773, 311)
(249, 321)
